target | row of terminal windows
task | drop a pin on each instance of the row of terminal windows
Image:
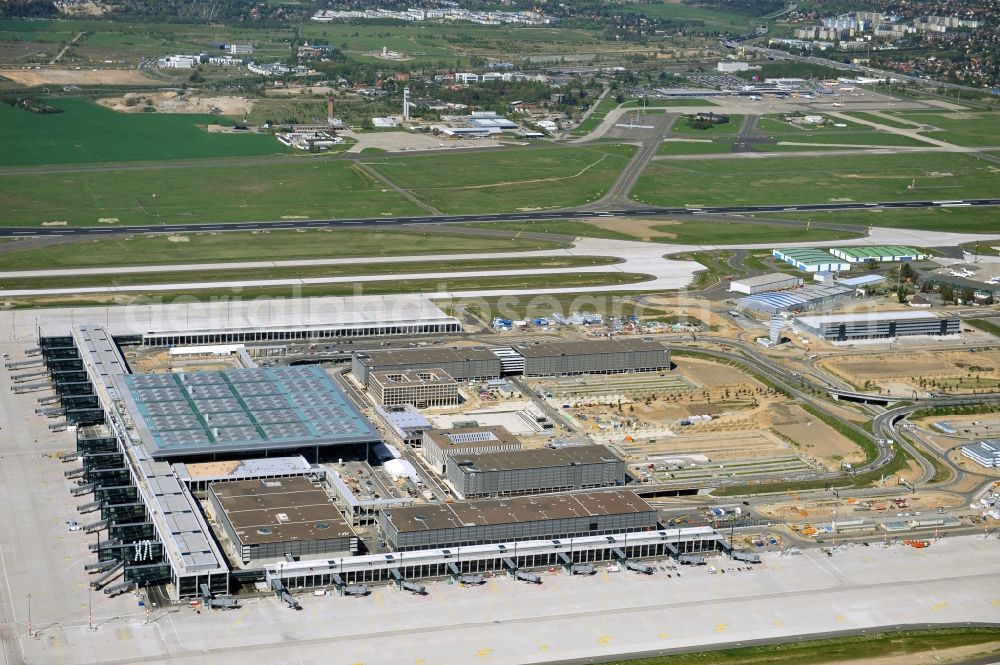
(288, 335)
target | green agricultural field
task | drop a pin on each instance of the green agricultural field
(718, 146)
(87, 133)
(796, 180)
(253, 246)
(682, 126)
(508, 180)
(688, 16)
(297, 190)
(955, 220)
(976, 129)
(343, 270)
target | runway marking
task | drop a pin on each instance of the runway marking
(777, 623)
(840, 617)
(419, 661)
(663, 636)
(720, 627)
(484, 653)
(937, 607)
(543, 647)
(605, 639)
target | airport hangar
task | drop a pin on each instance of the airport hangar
(156, 532)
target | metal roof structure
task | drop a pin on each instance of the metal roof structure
(765, 280)
(863, 280)
(245, 469)
(472, 437)
(424, 356)
(241, 410)
(589, 346)
(877, 252)
(797, 298)
(518, 509)
(814, 321)
(538, 458)
(276, 511)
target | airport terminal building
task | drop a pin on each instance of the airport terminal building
(535, 471)
(599, 356)
(560, 516)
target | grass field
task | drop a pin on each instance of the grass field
(86, 133)
(714, 147)
(731, 128)
(967, 128)
(247, 246)
(888, 122)
(835, 178)
(303, 272)
(911, 644)
(508, 180)
(956, 220)
(701, 232)
(853, 133)
(991, 327)
(525, 283)
(297, 190)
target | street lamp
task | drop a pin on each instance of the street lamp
(30, 632)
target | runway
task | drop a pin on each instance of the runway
(93, 231)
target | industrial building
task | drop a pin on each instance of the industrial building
(984, 453)
(534, 471)
(421, 388)
(879, 253)
(461, 363)
(438, 445)
(269, 519)
(775, 281)
(599, 356)
(405, 422)
(561, 516)
(806, 298)
(240, 411)
(811, 260)
(878, 325)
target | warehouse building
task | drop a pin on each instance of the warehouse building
(438, 445)
(511, 520)
(879, 253)
(600, 356)
(461, 363)
(811, 260)
(984, 453)
(269, 519)
(535, 471)
(775, 281)
(421, 388)
(242, 411)
(806, 298)
(878, 325)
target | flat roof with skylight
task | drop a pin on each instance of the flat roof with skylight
(242, 410)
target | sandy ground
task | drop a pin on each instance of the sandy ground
(403, 140)
(801, 512)
(160, 361)
(937, 656)
(895, 371)
(814, 436)
(299, 90)
(75, 76)
(712, 375)
(173, 102)
(641, 228)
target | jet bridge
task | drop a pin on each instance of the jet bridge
(222, 603)
(747, 557)
(281, 592)
(345, 589)
(630, 564)
(519, 574)
(405, 584)
(692, 560)
(120, 588)
(576, 568)
(461, 577)
(107, 575)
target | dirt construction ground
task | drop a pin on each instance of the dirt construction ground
(173, 102)
(31, 77)
(953, 370)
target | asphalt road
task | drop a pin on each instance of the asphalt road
(28, 232)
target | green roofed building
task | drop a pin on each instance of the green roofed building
(811, 260)
(880, 253)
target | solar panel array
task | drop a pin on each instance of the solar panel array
(243, 410)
